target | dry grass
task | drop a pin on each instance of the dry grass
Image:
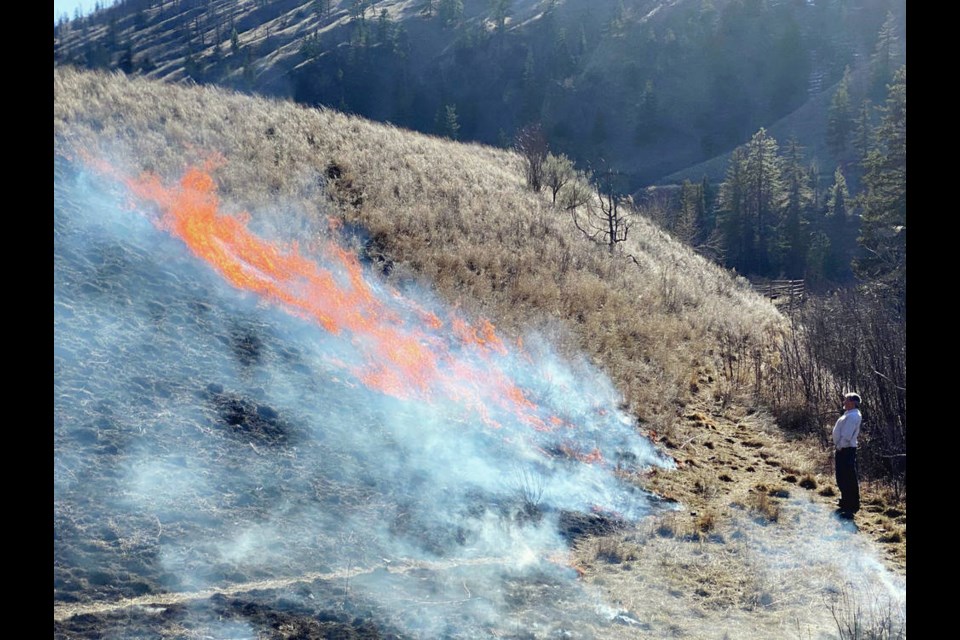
(765, 507)
(455, 217)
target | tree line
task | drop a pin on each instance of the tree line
(771, 217)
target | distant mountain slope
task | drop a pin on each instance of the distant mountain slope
(644, 87)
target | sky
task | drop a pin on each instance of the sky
(69, 6)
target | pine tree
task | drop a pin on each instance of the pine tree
(838, 199)
(647, 117)
(763, 194)
(840, 227)
(428, 7)
(685, 227)
(863, 129)
(817, 257)
(735, 231)
(500, 11)
(322, 8)
(839, 118)
(884, 197)
(234, 42)
(450, 12)
(885, 55)
(750, 202)
(447, 123)
(127, 62)
(798, 197)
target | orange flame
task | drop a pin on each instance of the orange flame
(399, 358)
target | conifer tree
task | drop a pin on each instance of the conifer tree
(885, 54)
(750, 202)
(447, 123)
(839, 117)
(685, 225)
(735, 231)
(863, 129)
(764, 193)
(840, 227)
(234, 42)
(127, 62)
(798, 197)
(499, 11)
(883, 200)
(450, 12)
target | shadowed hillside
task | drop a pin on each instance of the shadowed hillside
(644, 87)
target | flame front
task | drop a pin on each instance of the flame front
(424, 359)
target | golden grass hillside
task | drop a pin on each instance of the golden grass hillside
(684, 342)
(455, 216)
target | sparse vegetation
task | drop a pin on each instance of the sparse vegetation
(705, 523)
(861, 616)
(765, 507)
(852, 340)
(529, 486)
(614, 550)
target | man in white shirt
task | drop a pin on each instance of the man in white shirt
(845, 434)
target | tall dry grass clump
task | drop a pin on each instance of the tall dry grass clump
(456, 217)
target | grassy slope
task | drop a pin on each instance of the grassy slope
(459, 218)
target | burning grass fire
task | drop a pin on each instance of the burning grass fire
(231, 408)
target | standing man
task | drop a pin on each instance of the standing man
(845, 434)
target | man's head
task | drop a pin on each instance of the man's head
(851, 401)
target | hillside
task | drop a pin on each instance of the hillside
(643, 87)
(234, 460)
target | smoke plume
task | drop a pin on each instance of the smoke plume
(230, 407)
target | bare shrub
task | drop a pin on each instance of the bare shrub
(863, 617)
(531, 143)
(852, 340)
(529, 486)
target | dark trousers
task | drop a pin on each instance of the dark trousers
(846, 464)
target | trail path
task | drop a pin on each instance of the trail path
(66, 611)
(733, 454)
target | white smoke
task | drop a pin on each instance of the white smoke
(231, 440)
(204, 438)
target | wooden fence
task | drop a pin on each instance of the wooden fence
(788, 293)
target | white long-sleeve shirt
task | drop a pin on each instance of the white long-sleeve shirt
(847, 429)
